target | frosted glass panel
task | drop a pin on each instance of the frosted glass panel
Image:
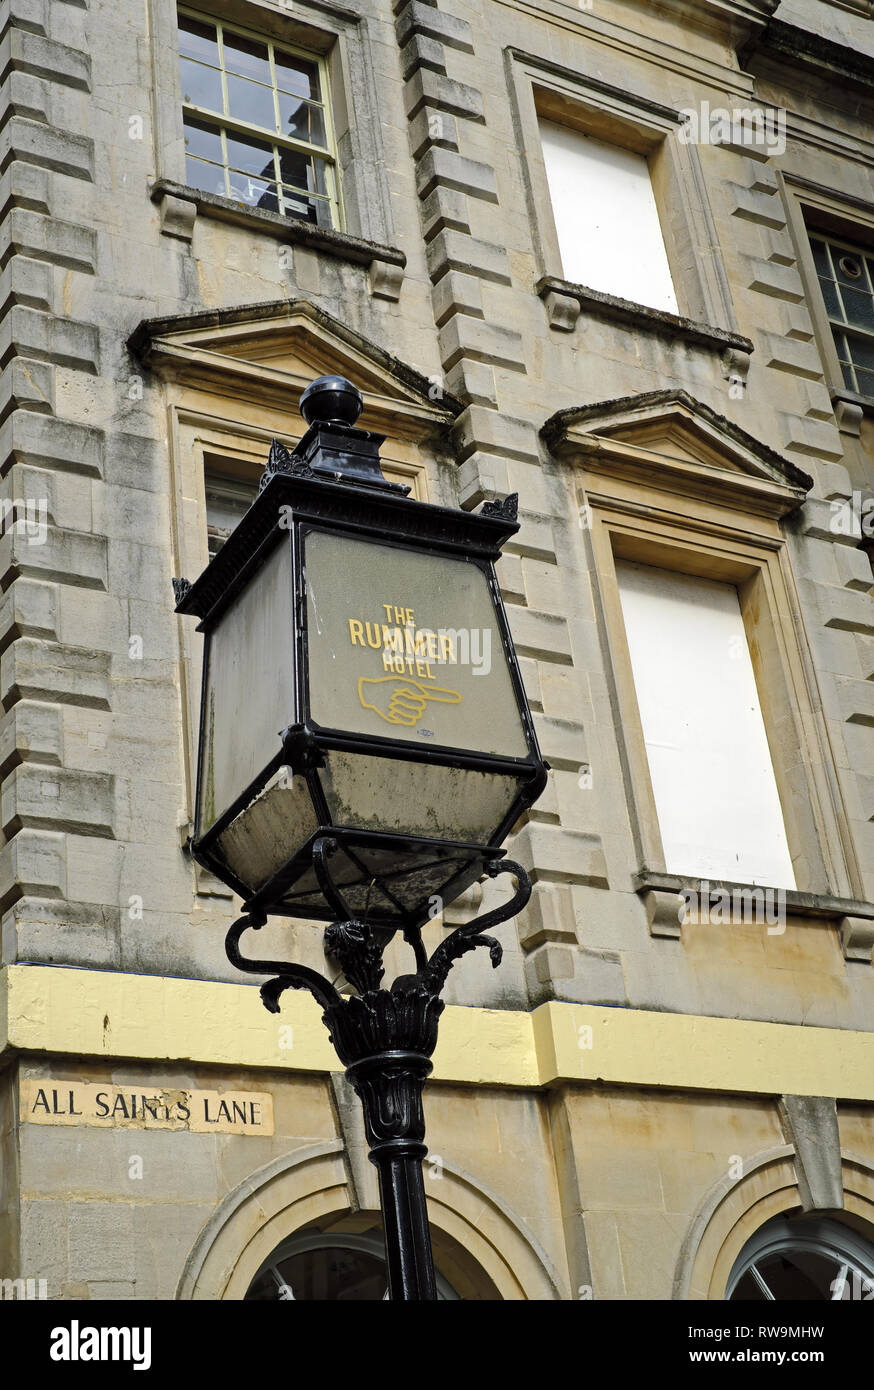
(249, 691)
(712, 776)
(606, 218)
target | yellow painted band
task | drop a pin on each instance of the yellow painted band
(91, 1013)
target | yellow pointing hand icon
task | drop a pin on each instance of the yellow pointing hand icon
(399, 700)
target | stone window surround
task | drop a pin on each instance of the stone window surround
(811, 207)
(337, 35)
(540, 87)
(232, 124)
(714, 531)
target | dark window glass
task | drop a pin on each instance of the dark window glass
(198, 40)
(303, 171)
(249, 82)
(250, 102)
(202, 140)
(846, 279)
(849, 268)
(296, 75)
(250, 156)
(299, 205)
(858, 308)
(201, 86)
(332, 1275)
(246, 57)
(830, 295)
(208, 177)
(257, 193)
(820, 256)
(294, 168)
(792, 1276)
(299, 120)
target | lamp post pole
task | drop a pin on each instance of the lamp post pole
(385, 1038)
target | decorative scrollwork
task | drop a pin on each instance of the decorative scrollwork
(288, 975)
(181, 590)
(377, 1020)
(470, 935)
(283, 460)
(359, 953)
(507, 508)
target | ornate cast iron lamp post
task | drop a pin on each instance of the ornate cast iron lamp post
(365, 747)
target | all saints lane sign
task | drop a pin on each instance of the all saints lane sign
(109, 1106)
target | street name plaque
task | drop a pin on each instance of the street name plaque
(46, 1101)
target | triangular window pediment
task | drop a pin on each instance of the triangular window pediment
(269, 353)
(672, 441)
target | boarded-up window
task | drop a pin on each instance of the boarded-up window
(606, 218)
(712, 776)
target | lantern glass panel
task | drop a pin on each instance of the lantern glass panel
(269, 831)
(248, 696)
(424, 799)
(406, 645)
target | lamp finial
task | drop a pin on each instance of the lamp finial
(332, 400)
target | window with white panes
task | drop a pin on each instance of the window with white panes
(257, 121)
(846, 279)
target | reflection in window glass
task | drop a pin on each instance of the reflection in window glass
(797, 1259)
(246, 57)
(198, 40)
(227, 501)
(296, 75)
(255, 116)
(341, 1269)
(846, 279)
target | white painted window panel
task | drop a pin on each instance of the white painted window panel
(606, 218)
(712, 775)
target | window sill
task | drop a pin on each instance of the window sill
(565, 301)
(180, 205)
(853, 919)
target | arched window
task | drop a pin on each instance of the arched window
(814, 1260)
(327, 1268)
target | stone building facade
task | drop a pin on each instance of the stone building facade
(634, 1105)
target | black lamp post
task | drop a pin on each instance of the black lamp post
(365, 747)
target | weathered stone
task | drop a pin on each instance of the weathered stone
(28, 333)
(27, 232)
(433, 89)
(449, 250)
(43, 57)
(48, 147)
(443, 167)
(420, 51)
(58, 799)
(457, 294)
(31, 438)
(444, 210)
(35, 670)
(418, 18)
(811, 1125)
